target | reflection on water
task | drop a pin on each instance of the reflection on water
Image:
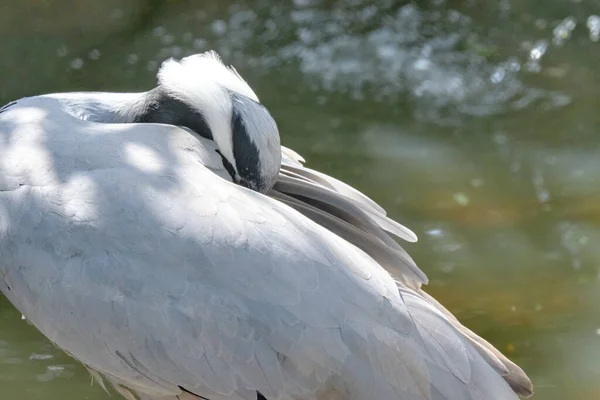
(473, 122)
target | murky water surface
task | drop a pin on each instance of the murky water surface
(474, 122)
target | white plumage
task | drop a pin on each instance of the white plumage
(204, 76)
(124, 239)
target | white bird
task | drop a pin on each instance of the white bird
(127, 238)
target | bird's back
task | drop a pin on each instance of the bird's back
(126, 249)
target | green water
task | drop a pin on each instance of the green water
(473, 122)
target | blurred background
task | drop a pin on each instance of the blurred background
(474, 122)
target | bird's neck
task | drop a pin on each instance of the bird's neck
(157, 106)
(153, 106)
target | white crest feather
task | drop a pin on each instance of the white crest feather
(199, 73)
(202, 81)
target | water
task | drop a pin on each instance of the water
(473, 122)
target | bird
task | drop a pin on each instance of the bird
(167, 241)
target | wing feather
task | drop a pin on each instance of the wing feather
(175, 280)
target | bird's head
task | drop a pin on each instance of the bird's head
(201, 93)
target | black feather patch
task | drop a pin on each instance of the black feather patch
(164, 109)
(245, 152)
(227, 166)
(192, 393)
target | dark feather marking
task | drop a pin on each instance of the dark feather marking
(7, 106)
(259, 395)
(228, 166)
(245, 152)
(192, 393)
(164, 109)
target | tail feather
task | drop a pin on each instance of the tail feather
(512, 373)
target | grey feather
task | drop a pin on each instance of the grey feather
(393, 258)
(128, 246)
(352, 228)
(322, 184)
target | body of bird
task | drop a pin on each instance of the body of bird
(182, 262)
